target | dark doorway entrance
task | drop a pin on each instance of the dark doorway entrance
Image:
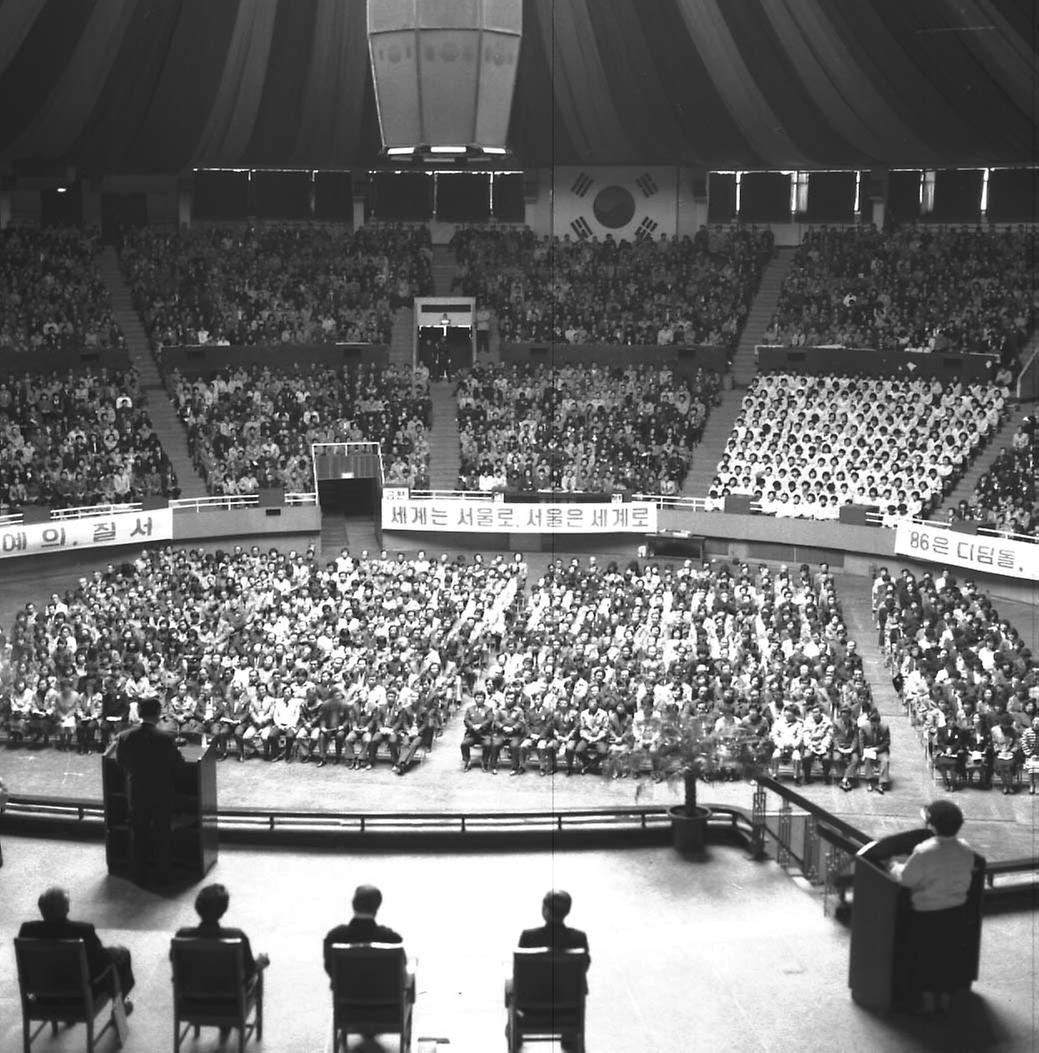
(348, 497)
(119, 211)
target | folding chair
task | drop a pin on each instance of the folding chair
(210, 989)
(373, 992)
(56, 987)
(545, 997)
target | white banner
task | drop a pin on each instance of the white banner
(987, 555)
(63, 535)
(490, 516)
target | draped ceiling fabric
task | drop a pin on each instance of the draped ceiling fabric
(162, 85)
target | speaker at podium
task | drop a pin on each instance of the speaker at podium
(194, 843)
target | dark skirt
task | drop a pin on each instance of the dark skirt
(940, 951)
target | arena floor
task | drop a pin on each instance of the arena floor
(998, 827)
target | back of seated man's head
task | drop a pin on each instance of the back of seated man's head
(367, 900)
(149, 710)
(211, 903)
(54, 904)
(556, 905)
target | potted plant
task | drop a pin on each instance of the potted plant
(681, 751)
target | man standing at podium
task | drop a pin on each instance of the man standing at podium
(149, 759)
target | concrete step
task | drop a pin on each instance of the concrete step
(743, 370)
(444, 451)
(165, 421)
(964, 489)
(445, 267)
(402, 338)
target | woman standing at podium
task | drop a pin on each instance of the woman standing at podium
(938, 874)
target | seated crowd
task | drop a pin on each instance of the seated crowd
(275, 283)
(806, 445)
(593, 428)
(612, 668)
(79, 438)
(1005, 496)
(911, 288)
(272, 655)
(277, 656)
(965, 677)
(51, 293)
(252, 427)
(648, 291)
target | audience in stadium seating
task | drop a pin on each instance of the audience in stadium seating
(79, 438)
(51, 293)
(594, 428)
(650, 291)
(275, 655)
(806, 445)
(252, 428)
(227, 640)
(912, 288)
(275, 283)
(1005, 496)
(965, 676)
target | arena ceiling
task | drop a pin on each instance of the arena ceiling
(163, 85)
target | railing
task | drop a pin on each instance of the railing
(11, 519)
(86, 511)
(296, 500)
(807, 837)
(225, 503)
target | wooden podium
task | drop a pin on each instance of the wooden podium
(881, 936)
(194, 844)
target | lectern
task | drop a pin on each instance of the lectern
(882, 952)
(194, 844)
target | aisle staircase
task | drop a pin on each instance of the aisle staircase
(963, 490)
(402, 339)
(910, 774)
(168, 426)
(444, 455)
(743, 370)
(444, 269)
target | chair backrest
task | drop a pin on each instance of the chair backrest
(208, 972)
(51, 971)
(546, 978)
(368, 974)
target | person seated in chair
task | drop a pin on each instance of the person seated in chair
(556, 935)
(875, 751)
(211, 905)
(54, 909)
(362, 927)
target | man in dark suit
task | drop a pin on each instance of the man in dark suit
(54, 909)
(211, 905)
(149, 758)
(363, 928)
(557, 936)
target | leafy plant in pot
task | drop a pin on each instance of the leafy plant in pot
(682, 751)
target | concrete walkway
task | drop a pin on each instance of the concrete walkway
(742, 372)
(168, 426)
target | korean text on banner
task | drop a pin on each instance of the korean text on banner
(63, 535)
(496, 517)
(986, 555)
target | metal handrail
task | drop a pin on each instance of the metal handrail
(88, 511)
(227, 502)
